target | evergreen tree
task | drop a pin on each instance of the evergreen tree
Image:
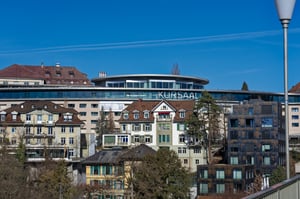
(203, 126)
(245, 87)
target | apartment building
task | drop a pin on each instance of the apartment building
(256, 136)
(158, 124)
(45, 128)
(109, 170)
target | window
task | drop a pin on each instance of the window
(237, 174)
(50, 130)
(220, 188)
(250, 123)
(250, 134)
(94, 113)
(182, 114)
(94, 105)
(39, 130)
(250, 110)
(220, 174)
(71, 129)
(146, 114)
(164, 115)
(181, 150)
(147, 127)
(266, 109)
(71, 152)
(295, 109)
(82, 105)
(39, 118)
(71, 140)
(95, 170)
(234, 149)
(180, 127)
(203, 173)
(13, 129)
(267, 122)
(14, 116)
(63, 129)
(295, 124)
(62, 140)
(265, 147)
(82, 113)
(123, 139)
(234, 160)
(197, 150)
(148, 138)
(136, 115)
(164, 127)
(250, 160)
(50, 117)
(234, 123)
(234, 135)
(71, 105)
(203, 188)
(136, 127)
(38, 141)
(2, 117)
(125, 115)
(181, 138)
(28, 117)
(68, 117)
(185, 161)
(267, 160)
(136, 138)
(27, 130)
(295, 117)
(123, 127)
(197, 161)
(266, 135)
(164, 138)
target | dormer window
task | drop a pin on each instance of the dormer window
(136, 114)
(125, 115)
(68, 117)
(71, 73)
(14, 115)
(146, 114)
(47, 74)
(182, 113)
(2, 116)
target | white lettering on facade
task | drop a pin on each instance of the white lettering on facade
(176, 95)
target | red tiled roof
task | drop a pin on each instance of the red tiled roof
(295, 89)
(58, 75)
(141, 106)
(49, 106)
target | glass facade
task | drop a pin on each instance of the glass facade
(133, 94)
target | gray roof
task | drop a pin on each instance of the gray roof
(115, 156)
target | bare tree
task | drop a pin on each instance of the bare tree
(175, 70)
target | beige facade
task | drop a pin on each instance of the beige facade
(44, 127)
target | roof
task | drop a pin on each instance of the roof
(150, 105)
(110, 156)
(138, 152)
(295, 89)
(115, 156)
(29, 106)
(53, 75)
(150, 76)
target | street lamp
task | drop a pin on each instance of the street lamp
(285, 10)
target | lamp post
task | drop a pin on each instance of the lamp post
(285, 10)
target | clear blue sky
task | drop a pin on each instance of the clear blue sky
(226, 42)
